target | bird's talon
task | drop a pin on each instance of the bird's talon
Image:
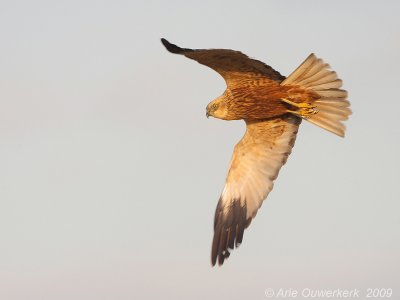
(298, 105)
(304, 113)
(304, 110)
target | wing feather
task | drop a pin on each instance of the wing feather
(232, 65)
(254, 166)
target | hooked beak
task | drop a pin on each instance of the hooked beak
(207, 114)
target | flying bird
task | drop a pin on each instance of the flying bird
(272, 107)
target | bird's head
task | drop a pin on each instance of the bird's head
(217, 109)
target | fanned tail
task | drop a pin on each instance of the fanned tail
(332, 107)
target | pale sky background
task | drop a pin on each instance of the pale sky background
(110, 172)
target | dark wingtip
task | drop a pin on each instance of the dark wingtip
(171, 47)
(228, 230)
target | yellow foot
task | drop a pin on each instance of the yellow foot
(304, 113)
(304, 110)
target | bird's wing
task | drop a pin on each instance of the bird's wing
(254, 166)
(232, 65)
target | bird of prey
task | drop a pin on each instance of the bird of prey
(272, 107)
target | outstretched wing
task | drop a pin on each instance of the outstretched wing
(254, 166)
(232, 65)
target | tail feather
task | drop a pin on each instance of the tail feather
(329, 122)
(335, 110)
(321, 74)
(303, 68)
(326, 85)
(333, 101)
(332, 107)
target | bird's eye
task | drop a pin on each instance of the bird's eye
(214, 106)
